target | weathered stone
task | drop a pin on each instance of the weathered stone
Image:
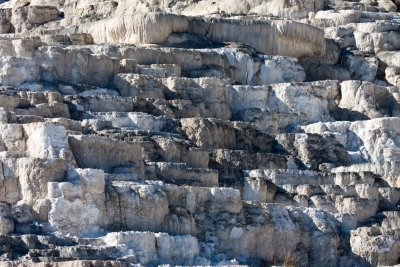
(199, 133)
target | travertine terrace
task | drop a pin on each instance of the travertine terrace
(199, 133)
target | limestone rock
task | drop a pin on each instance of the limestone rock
(375, 245)
(71, 213)
(199, 133)
(25, 18)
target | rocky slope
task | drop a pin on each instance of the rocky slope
(199, 132)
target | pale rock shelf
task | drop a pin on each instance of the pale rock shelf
(199, 133)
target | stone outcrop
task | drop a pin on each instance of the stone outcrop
(199, 133)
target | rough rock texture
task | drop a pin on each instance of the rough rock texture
(199, 133)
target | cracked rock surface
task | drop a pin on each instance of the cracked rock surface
(199, 133)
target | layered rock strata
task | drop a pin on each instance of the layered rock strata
(145, 133)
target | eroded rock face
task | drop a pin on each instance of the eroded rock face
(199, 133)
